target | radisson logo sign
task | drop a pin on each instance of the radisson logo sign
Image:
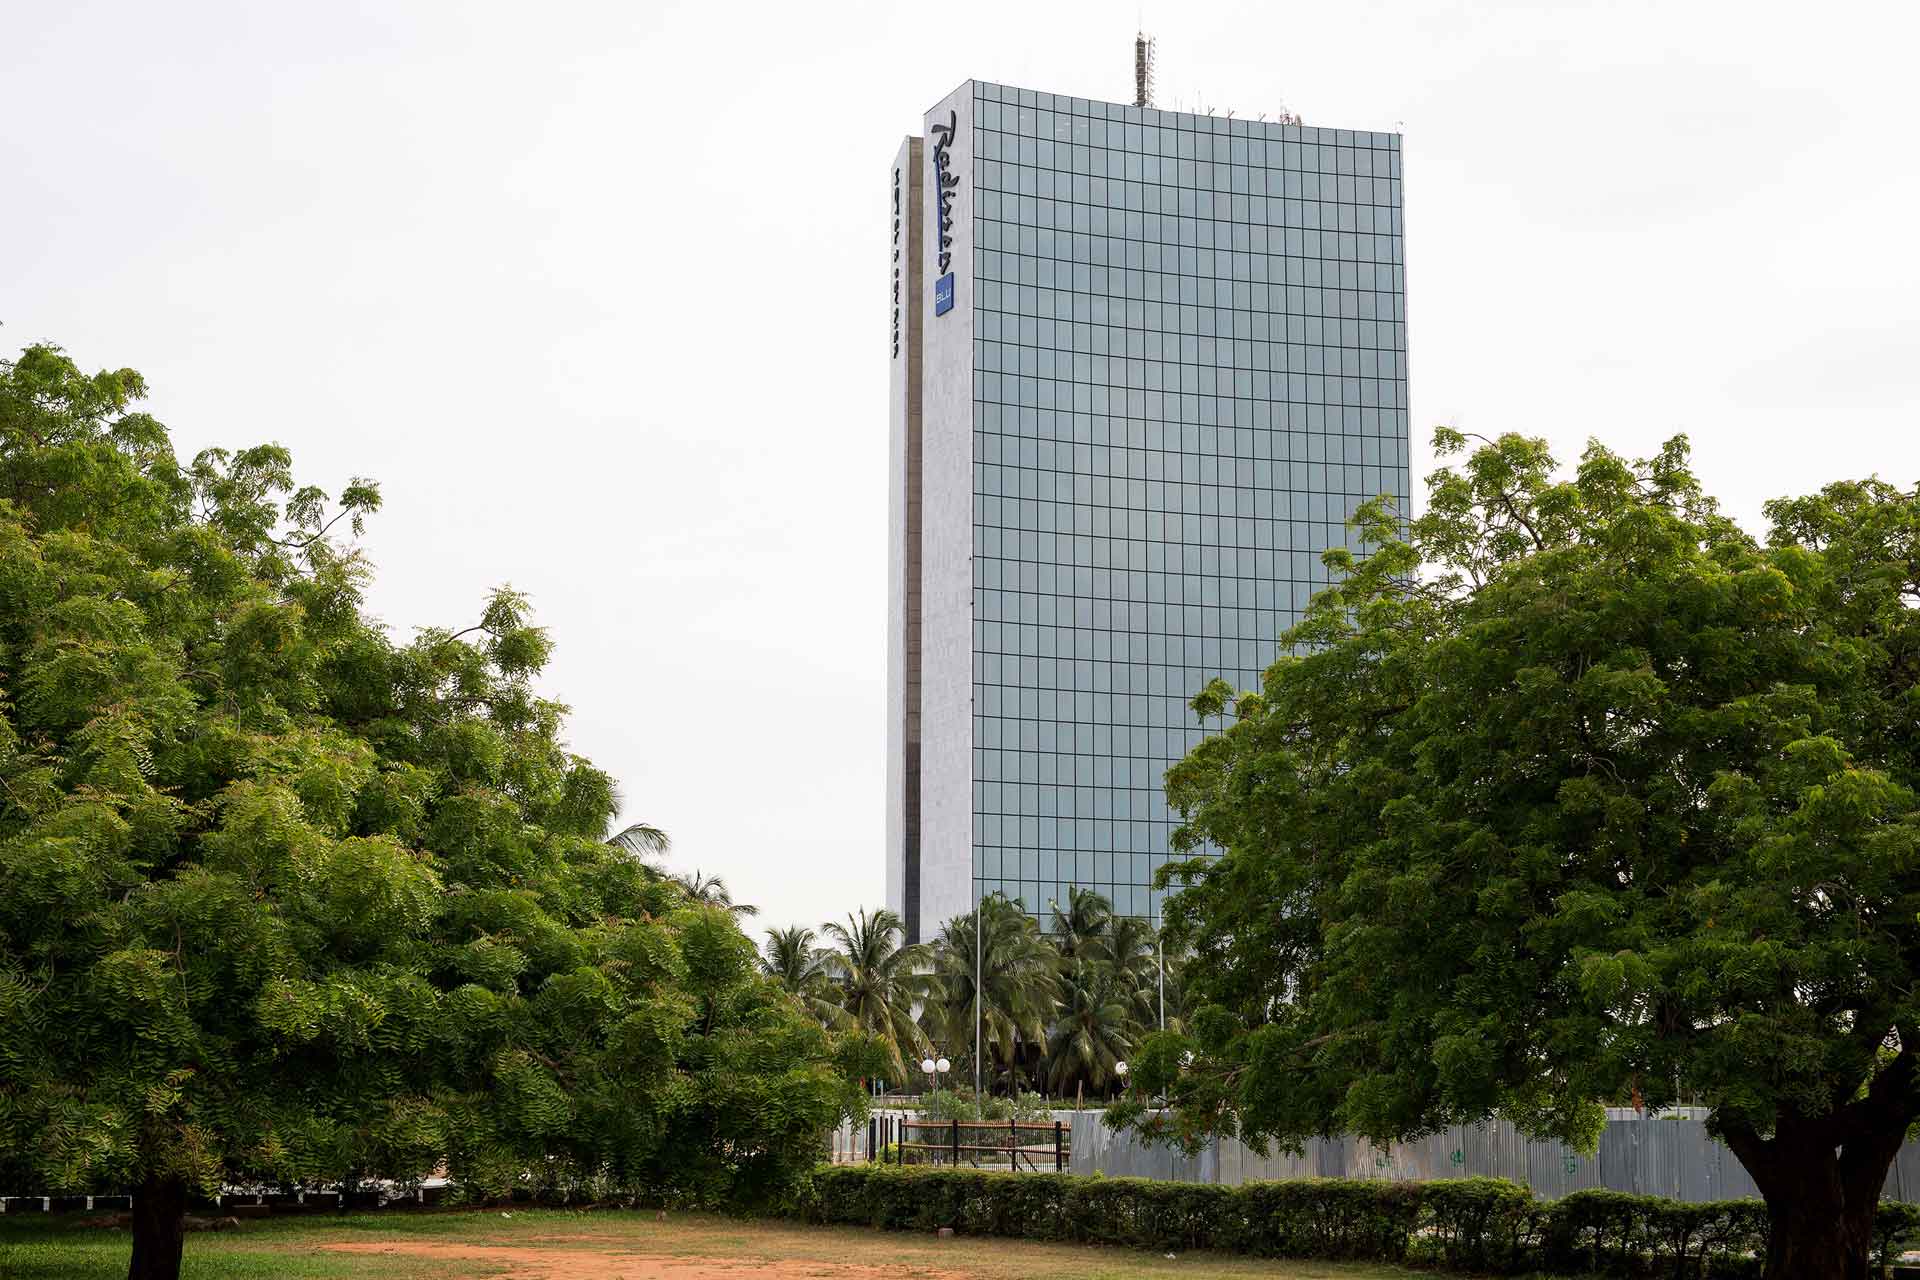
(946, 184)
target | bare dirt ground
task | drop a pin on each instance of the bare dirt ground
(610, 1262)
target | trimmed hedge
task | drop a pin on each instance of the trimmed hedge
(1478, 1224)
(1593, 1230)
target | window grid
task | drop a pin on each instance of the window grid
(1190, 369)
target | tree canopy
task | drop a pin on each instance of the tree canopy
(289, 901)
(1572, 793)
(1059, 1008)
(1015, 996)
(881, 982)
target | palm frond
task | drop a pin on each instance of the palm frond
(712, 891)
(642, 840)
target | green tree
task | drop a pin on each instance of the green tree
(1131, 948)
(1095, 1027)
(1110, 989)
(1082, 924)
(712, 891)
(1572, 792)
(1019, 987)
(288, 902)
(880, 980)
(1170, 988)
(797, 964)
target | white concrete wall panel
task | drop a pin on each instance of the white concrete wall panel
(946, 813)
(903, 269)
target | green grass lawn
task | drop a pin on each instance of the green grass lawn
(543, 1244)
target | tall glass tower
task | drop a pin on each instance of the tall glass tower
(1144, 366)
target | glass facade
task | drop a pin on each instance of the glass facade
(1189, 367)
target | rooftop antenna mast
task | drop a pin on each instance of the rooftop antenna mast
(1143, 51)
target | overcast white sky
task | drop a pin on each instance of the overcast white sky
(597, 293)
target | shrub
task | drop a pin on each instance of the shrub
(964, 1106)
(1146, 1214)
(949, 1104)
(1896, 1228)
(1328, 1218)
(1486, 1224)
(1028, 1108)
(1479, 1224)
(1617, 1232)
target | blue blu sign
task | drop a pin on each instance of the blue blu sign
(946, 184)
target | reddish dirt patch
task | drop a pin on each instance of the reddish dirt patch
(591, 1264)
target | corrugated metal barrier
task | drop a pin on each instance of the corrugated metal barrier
(1667, 1155)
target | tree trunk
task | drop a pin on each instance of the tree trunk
(1822, 1175)
(159, 1211)
(1821, 1194)
(1812, 1234)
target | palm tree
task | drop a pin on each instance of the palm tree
(711, 891)
(641, 839)
(642, 842)
(1095, 1028)
(1018, 982)
(794, 963)
(1108, 989)
(880, 980)
(1087, 917)
(1131, 949)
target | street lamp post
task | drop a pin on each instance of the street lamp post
(934, 1067)
(979, 951)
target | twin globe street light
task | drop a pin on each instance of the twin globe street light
(1120, 1068)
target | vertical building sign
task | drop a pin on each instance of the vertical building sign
(896, 262)
(946, 184)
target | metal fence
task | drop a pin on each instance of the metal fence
(987, 1144)
(1668, 1155)
(908, 1137)
(858, 1143)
